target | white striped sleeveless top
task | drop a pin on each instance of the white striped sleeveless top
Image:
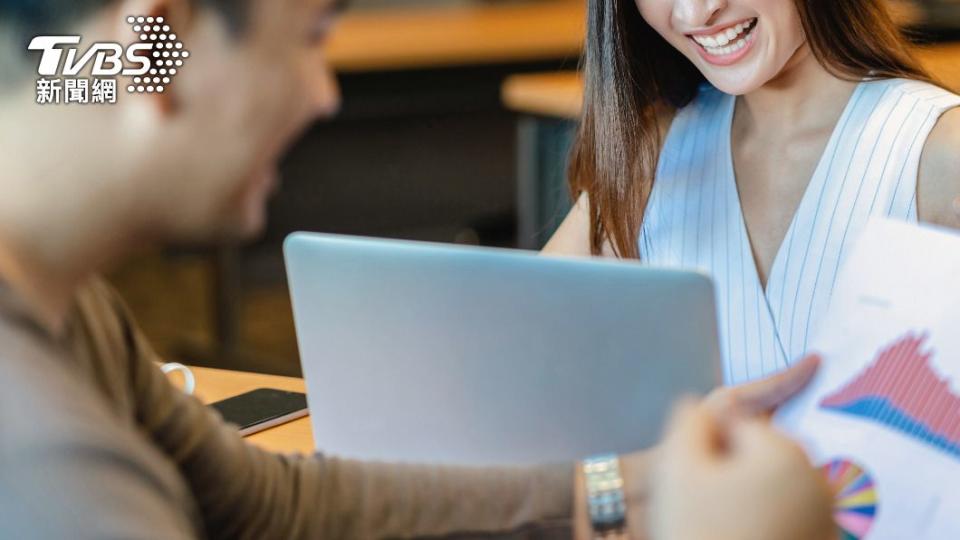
(693, 220)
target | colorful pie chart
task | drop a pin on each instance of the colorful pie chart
(856, 504)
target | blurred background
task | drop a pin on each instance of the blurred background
(457, 118)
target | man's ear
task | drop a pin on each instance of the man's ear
(180, 10)
(179, 16)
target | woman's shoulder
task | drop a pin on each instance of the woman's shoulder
(925, 92)
(938, 183)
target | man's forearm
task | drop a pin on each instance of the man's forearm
(378, 500)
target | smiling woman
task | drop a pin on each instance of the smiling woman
(753, 139)
(641, 64)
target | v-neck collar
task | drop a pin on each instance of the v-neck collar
(808, 203)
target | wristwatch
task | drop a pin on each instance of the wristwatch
(605, 498)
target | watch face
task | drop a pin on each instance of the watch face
(605, 493)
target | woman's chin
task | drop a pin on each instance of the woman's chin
(735, 82)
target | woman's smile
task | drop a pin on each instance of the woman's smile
(725, 45)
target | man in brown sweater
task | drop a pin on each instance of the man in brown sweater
(95, 442)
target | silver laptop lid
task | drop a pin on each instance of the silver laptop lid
(431, 353)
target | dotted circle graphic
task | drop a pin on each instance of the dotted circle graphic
(167, 52)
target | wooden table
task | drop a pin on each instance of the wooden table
(429, 37)
(560, 94)
(217, 384)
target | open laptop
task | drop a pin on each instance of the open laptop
(420, 352)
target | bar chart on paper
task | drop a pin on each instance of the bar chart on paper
(900, 390)
(882, 416)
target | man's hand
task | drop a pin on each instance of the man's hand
(735, 479)
(756, 399)
(763, 397)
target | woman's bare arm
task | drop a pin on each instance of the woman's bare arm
(572, 238)
(938, 183)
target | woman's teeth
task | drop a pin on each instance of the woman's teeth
(727, 41)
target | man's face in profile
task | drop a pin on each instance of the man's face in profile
(233, 111)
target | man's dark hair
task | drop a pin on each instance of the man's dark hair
(53, 16)
(21, 20)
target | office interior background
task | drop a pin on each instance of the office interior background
(457, 117)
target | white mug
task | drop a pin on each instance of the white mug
(189, 381)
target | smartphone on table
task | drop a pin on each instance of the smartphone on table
(262, 409)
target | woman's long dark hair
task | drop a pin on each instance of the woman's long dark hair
(633, 76)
